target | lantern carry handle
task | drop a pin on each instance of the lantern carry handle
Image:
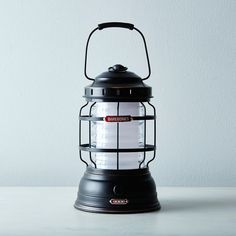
(116, 25)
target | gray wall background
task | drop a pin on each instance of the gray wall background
(192, 52)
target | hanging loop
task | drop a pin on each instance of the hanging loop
(116, 25)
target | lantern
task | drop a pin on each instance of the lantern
(117, 156)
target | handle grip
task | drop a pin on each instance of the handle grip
(120, 25)
(115, 24)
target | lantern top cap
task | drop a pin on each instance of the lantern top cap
(118, 84)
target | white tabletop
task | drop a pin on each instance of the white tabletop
(49, 211)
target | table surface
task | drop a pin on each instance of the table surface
(185, 211)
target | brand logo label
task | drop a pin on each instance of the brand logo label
(118, 118)
(119, 201)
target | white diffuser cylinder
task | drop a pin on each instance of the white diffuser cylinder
(104, 135)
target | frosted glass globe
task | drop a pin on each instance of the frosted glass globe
(104, 135)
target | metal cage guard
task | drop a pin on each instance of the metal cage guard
(89, 148)
(115, 25)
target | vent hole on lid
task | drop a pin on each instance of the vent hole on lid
(103, 91)
(91, 92)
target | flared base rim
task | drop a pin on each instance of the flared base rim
(84, 208)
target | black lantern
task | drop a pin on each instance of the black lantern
(117, 178)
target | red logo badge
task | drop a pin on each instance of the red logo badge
(118, 118)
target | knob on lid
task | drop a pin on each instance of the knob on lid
(117, 68)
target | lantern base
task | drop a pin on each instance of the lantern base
(117, 191)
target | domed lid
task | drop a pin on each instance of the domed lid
(118, 84)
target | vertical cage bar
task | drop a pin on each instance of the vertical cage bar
(117, 136)
(145, 135)
(154, 152)
(90, 154)
(80, 131)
